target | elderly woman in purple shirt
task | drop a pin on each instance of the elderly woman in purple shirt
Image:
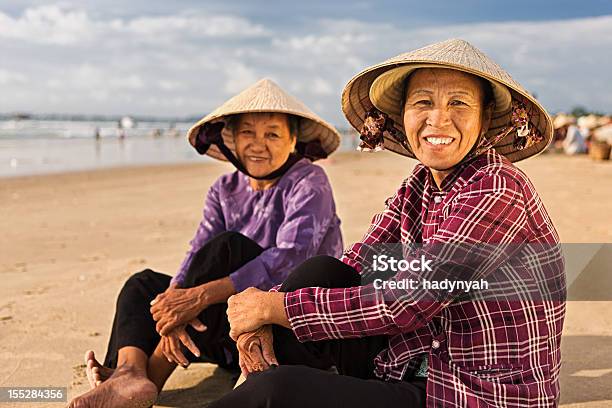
(259, 222)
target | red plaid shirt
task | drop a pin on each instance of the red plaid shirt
(480, 353)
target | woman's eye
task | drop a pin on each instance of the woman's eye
(457, 102)
(273, 136)
(423, 102)
(246, 132)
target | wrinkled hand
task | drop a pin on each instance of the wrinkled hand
(246, 311)
(171, 344)
(176, 307)
(256, 350)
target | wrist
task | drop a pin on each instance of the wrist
(274, 310)
(217, 291)
(202, 296)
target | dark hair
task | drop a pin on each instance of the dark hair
(293, 122)
(485, 85)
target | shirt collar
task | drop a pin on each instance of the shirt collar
(451, 179)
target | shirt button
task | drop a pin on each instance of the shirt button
(437, 199)
(435, 344)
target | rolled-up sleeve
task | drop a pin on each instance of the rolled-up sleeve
(212, 224)
(309, 214)
(490, 210)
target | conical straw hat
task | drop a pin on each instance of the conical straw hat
(381, 87)
(267, 96)
(562, 119)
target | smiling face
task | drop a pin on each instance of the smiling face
(444, 115)
(263, 141)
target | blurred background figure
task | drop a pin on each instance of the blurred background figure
(574, 142)
(561, 122)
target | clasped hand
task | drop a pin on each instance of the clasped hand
(256, 350)
(175, 307)
(173, 310)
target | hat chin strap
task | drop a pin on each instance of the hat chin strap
(211, 134)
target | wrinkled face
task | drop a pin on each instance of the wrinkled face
(443, 115)
(263, 142)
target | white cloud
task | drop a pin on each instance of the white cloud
(7, 77)
(169, 84)
(195, 26)
(238, 76)
(54, 24)
(188, 63)
(321, 87)
(47, 24)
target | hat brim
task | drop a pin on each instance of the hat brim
(357, 101)
(310, 129)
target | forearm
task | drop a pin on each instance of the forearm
(213, 292)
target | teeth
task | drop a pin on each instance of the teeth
(439, 140)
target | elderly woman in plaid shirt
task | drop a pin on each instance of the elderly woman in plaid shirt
(465, 119)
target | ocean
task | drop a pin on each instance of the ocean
(29, 147)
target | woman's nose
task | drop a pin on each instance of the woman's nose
(438, 118)
(258, 142)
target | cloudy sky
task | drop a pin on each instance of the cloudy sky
(185, 57)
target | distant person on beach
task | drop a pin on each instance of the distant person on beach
(172, 130)
(465, 120)
(574, 142)
(120, 130)
(259, 222)
(560, 123)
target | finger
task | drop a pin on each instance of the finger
(198, 325)
(165, 346)
(243, 369)
(188, 342)
(166, 350)
(177, 353)
(259, 363)
(155, 310)
(163, 328)
(244, 354)
(169, 352)
(166, 326)
(157, 298)
(234, 334)
(267, 350)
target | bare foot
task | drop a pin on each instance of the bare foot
(96, 372)
(126, 388)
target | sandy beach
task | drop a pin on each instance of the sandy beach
(69, 241)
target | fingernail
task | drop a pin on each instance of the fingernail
(273, 365)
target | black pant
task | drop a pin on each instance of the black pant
(300, 380)
(134, 326)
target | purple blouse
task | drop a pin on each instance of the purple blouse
(293, 220)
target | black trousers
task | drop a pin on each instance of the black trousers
(301, 381)
(134, 326)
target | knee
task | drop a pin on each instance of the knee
(230, 237)
(225, 243)
(139, 277)
(322, 271)
(138, 282)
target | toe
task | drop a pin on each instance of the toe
(89, 355)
